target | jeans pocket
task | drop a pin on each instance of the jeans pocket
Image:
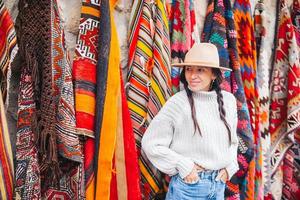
(191, 184)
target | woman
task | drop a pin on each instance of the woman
(193, 138)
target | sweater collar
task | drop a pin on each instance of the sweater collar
(205, 95)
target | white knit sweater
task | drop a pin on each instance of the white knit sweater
(171, 145)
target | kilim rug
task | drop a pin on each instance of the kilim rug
(247, 58)
(46, 137)
(285, 93)
(296, 148)
(84, 67)
(32, 25)
(219, 29)
(290, 190)
(84, 77)
(263, 74)
(149, 80)
(8, 47)
(183, 34)
(71, 181)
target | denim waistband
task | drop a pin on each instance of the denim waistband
(208, 174)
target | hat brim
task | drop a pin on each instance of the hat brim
(200, 65)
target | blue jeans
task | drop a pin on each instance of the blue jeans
(206, 188)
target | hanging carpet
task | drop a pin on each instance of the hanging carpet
(149, 80)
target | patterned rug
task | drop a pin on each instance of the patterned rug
(149, 80)
(69, 146)
(219, 14)
(31, 26)
(183, 34)
(47, 143)
(84, 77)
(285, 94)
(247, 58)
(263, 74)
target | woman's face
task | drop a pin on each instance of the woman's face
(199, 78)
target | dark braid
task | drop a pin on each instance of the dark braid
(191, 101)
(216, 86)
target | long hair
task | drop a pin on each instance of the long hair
(215, 86)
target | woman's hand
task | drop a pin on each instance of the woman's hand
(223, 175)
(193, 176)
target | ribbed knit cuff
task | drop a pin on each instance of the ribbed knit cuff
(185, 167)
(232, 169)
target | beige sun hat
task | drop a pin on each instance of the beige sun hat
(202, 55)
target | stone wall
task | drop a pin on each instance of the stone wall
(70, 11)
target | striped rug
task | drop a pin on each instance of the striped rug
(149, 81)
(84, 78)
(8, 49)
(107, 114)
(125, 182)
(6, 157)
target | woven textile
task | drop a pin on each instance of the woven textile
(183, 34)
(263, 95)
(109, 121)
(6, 157)
(7, 50)
(71, 184)
(84, 67)
(84, 76)
(8, 46)
(262, 78)
(284, 109)
(130, 153)
(68, 145)
(104, 46)
(296, 18)
(247, 58)
(291, 189)
(125, 182)
(33, 31)
(27, 167)
(214, 30)
(219, 14)
(247, 54)
(46, 104)
(149, 81)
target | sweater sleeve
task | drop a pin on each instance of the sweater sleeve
(233, 167)
(157, 139)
